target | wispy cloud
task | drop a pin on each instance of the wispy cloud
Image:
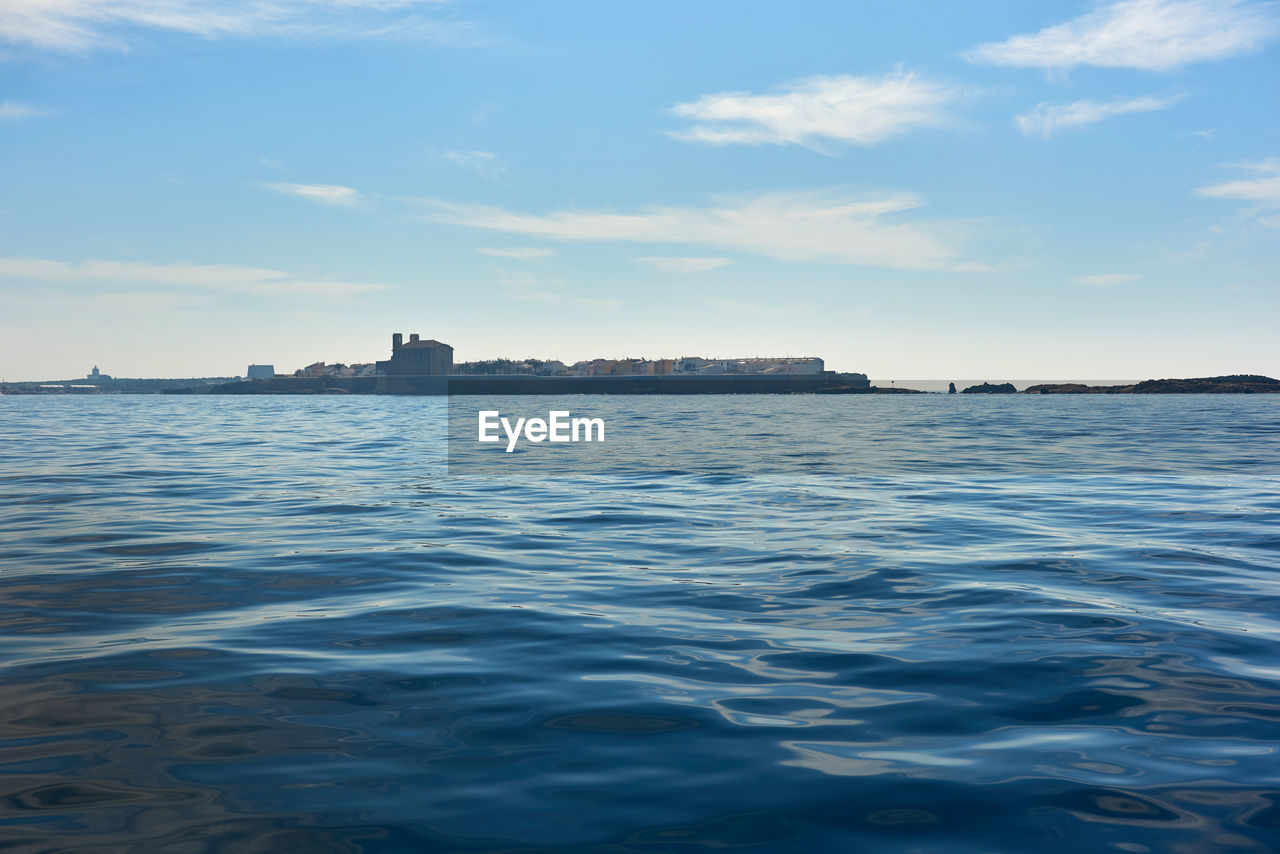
(1155, 35)
(323, 194)
(484, 163)
(523, 286)
(787, 226)
(520, 253)
(1047, 119)
(12, 110)
(668, 264)
(220, 278)
(1107, 280)
(858, 110)
(80, 25)
(1262, 188)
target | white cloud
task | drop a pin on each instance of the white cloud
(859, 110)
(484, 163)
(214, 278)
(1107, 280)
(1047, 119)
(11, 110)
(1262, 189)
(786, 226)
(324, 194)
(520, 253)
(1155, 35)
(667, 264)
(79, 25)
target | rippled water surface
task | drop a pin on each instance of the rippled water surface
(283, 624)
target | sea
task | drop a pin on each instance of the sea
(806, 623)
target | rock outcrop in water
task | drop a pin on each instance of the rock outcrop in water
(1233, 384)
(990, 388)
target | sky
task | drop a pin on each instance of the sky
(1054, 190)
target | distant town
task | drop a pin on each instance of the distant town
(428, 357)
(421, 366)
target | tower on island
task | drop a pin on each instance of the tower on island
(416, 357)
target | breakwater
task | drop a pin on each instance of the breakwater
(826, 382)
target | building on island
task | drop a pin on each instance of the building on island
(785, 365)
(338, 369)
(800, 365)
(621, 367)
(690, 364)
(416, 357)
(526, 367)
(95, 376)
(661, 367)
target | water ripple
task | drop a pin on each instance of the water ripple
(278, 624)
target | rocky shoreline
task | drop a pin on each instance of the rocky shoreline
(1233, 384)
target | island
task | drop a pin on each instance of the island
(1233, 384)
(424, 366)
(419, 366)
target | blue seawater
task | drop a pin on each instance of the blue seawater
(779, 624)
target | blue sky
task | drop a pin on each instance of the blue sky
(909, 189)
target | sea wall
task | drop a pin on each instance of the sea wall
(515, 384)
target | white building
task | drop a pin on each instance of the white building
(782, 365)
(690, 364)
(801, 365)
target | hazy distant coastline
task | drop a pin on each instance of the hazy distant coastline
(827, 383)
